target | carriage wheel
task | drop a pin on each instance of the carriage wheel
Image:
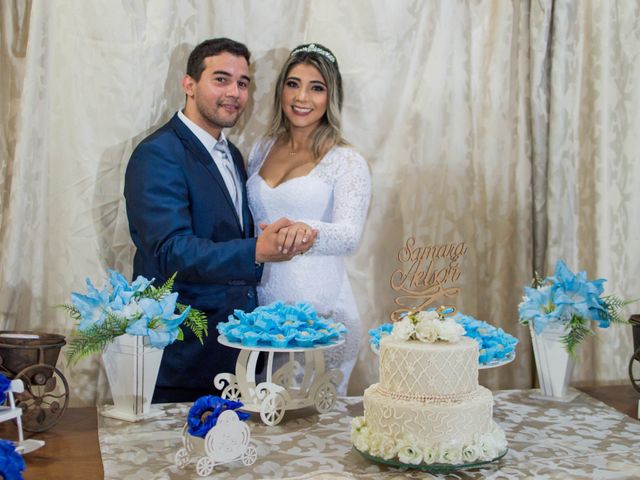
(634, 369)
(45, 397)
(250, 455)
(182, 458)
(325, 397)
(272, 409)
(204, 466)
(231, 392)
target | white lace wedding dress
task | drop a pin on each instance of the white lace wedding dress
(333, 198)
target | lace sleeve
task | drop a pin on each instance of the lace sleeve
(349, 173)
(257, 155)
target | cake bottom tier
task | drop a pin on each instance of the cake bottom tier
(429, 422)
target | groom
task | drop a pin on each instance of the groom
(187, 209)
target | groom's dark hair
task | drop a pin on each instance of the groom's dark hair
(211, 47)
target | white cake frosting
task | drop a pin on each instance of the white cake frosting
(431, 369)
(428, 406)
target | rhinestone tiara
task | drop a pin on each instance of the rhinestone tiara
(313, 48)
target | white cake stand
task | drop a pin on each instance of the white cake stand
(280, 392)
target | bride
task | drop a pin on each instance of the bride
(303, 169)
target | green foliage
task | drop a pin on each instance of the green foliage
(578, 330)
(95, 338)
(196, 321)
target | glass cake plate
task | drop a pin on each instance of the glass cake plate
(432, 467)
(498, 363)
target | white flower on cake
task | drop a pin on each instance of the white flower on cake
(429, 327)
(450, 331)
(404, 329)
(388, 448)
(451, 453)
(360, 434)
(489, 446)
(375, 444)
(427, 331)
(408, 453)
(470, 453)
(357, 423)
(430, 454)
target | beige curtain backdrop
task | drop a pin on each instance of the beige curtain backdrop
(512, 126)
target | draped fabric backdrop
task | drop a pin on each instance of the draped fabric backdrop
(511, 126)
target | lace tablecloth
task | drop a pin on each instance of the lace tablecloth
(580, 439)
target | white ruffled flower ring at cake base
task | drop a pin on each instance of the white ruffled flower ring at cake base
(560, 311)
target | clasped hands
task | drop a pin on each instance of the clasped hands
(283, 239)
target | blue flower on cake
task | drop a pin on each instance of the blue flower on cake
(571, 301)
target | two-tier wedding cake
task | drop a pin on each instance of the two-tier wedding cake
(428, 407)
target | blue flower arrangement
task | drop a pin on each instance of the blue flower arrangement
(494, 344)
(281, 325)
(5, 383)
(199, 424)
(571, 301)
(138, 308)
(11, 462)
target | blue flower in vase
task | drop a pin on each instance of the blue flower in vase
(158, 320)
(124, 291)
(92, 306)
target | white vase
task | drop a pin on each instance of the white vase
(132, 366)
(553, 364)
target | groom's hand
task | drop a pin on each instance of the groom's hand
(283, 239)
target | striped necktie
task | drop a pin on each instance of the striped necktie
(230, 178)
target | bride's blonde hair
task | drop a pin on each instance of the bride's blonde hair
(328, 133)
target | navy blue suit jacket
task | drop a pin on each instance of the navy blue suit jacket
(182, 219)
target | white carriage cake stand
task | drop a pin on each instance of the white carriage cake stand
(280, 391)
(226, 442)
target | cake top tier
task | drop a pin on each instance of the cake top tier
(439, 369)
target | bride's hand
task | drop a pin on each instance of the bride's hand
(296, 239)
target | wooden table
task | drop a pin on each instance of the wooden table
(72, 450)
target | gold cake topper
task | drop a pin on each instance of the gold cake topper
(426, 274)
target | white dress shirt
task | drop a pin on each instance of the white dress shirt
(229, 175)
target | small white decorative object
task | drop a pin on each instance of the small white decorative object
(132, 367)
(226, 442)
(553, 364)
(10, 412)
(280, 392)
